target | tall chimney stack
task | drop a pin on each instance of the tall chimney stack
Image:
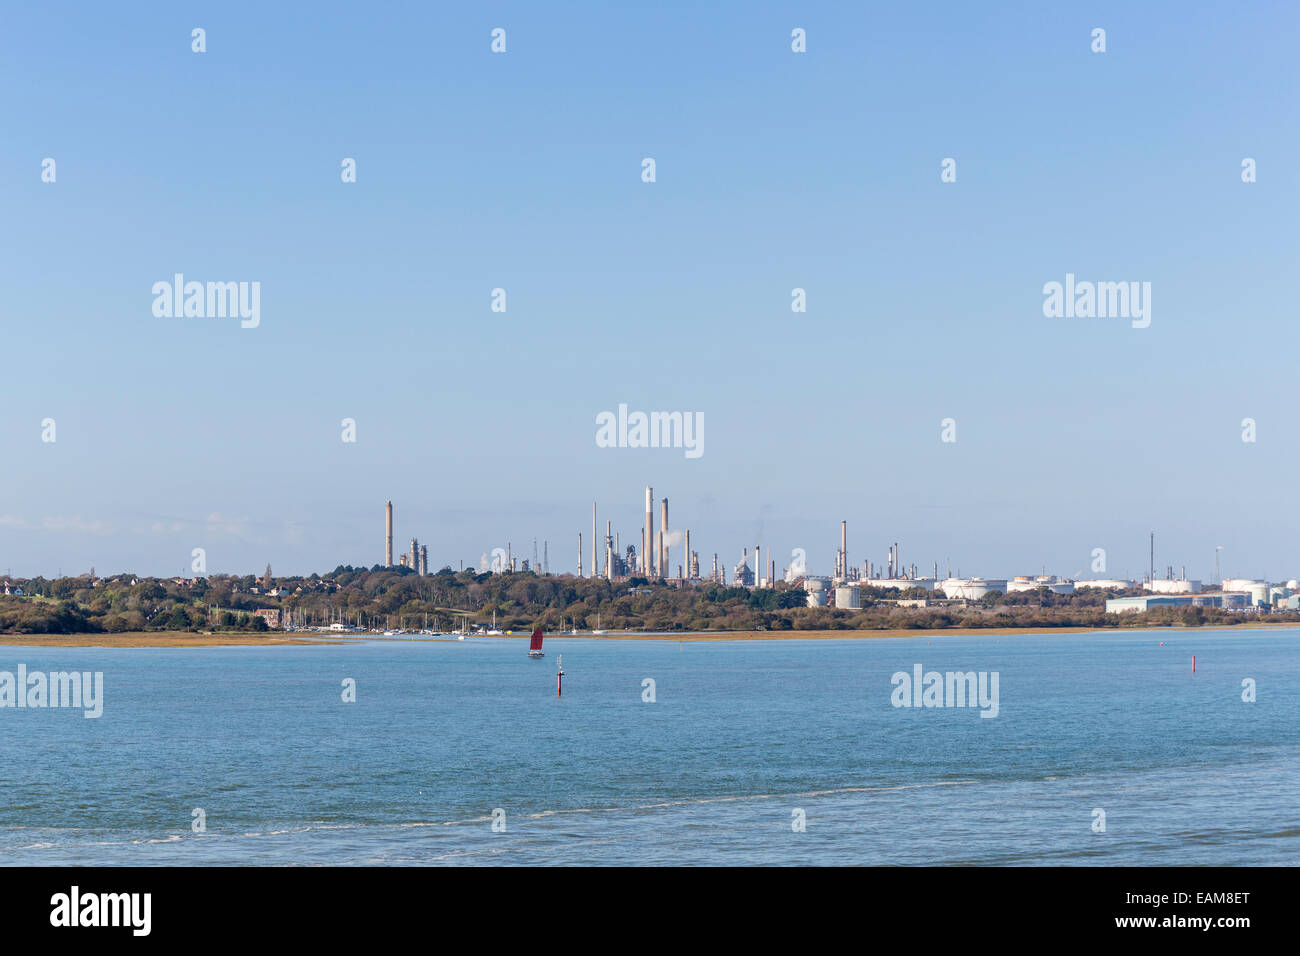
(595, 564)
(609, 557)
(663, 541)
(687, 546)
(844, 549)
(648, 543)
(388, 535)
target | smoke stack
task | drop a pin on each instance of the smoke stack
(609, 557)
(663, 541)
(844, 549)
(579, 554)
(687, 546)
(648, 541)
(388, 535)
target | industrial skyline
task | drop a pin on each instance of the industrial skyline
(654, 562)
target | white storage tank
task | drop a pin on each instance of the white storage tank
(972, 589)
(848, 596)
(1174, 587)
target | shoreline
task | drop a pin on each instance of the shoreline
(152, 639)
(905, 632)
(188, 639)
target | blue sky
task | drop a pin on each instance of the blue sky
(522, 171)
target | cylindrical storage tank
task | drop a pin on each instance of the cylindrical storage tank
(848, 597)
(972, 589)
(816, 598)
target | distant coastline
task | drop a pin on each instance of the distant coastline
(143, 639)
(355, 603)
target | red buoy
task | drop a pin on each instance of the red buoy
(1193, 663)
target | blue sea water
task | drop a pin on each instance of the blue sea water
(740, 737)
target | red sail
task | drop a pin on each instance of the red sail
(536, 644)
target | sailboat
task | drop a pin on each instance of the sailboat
(535, 645)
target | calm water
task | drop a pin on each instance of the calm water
(740, 736)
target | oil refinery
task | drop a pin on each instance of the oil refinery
(665, 556)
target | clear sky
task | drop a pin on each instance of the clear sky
(775, 170)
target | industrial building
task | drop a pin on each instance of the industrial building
(1145, 602)
(1258, 590)
(742, 577)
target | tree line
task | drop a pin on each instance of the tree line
(379, 598)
